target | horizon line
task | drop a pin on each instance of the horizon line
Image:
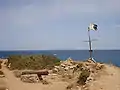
(53, 49)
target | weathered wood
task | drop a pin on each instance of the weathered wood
(41, 72)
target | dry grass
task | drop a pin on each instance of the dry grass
(83, 77)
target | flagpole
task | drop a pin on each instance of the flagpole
(90, 45)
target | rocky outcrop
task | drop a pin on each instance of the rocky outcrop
(30, 78)
(67, 65)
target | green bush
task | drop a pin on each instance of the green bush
(83, 77)
(33, 62)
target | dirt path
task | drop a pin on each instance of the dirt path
(110, 81)
(12, 82)
(15, 84)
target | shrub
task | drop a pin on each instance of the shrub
(1, 73)
(33, 62)
(0, 64)
(83, 76)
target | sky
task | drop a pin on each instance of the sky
(58, 24)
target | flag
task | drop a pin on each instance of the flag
(93, 27)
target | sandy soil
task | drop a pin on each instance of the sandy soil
(15, 84)
(108, 80)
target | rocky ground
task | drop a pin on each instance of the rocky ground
(70, 74)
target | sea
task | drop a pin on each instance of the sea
(104, 56)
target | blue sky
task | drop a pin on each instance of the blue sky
(58, 24)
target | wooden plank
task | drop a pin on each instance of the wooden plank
(41, 72)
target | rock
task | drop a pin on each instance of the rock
(50, 71)
(57, 67)
(68, 62)
(70, 86)
(30, 78)
(90, 61)
(66, 68)
(17, 73)
(63, 65)
(45, 82)
(55, 70)
(89, 79)
(2, 76)
(73, 66)
(99, 66)
(9, 65)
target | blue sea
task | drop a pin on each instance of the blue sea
(106, 56)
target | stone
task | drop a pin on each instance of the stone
(57, 67)
(55, 70)
(72, 67)
(66, 68)
(99, 66)
(45, 82)
(30, 78)
(9, 65)
(17, 73)
(62, 65)
(2, 76)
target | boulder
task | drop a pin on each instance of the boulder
(30, 78)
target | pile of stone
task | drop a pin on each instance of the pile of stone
(31, 78)
(67, 65)
(68, 70)
(94, 68)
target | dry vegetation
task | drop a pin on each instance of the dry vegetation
(83, 77)
(32, 62)
(1, 73)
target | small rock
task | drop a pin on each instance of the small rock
(45, 82)
(63, 65)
